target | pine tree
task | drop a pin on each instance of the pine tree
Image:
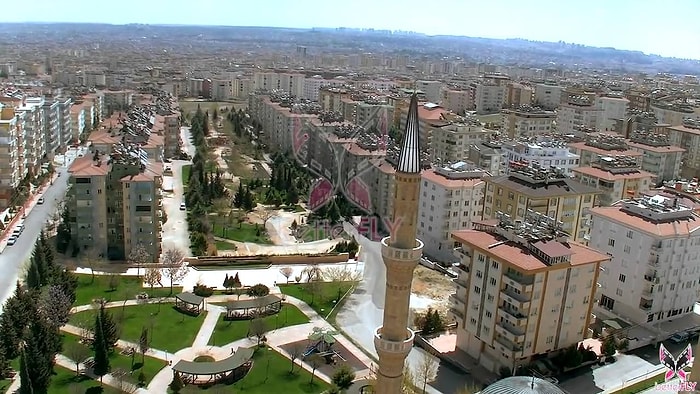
(33, 276)
(227, 282)
(37, 358)
(101, 359)
(25, 380)
(239, 196)
(16, 313)
(236, 282)
(107, 328)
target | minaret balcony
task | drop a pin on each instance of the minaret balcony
(389, 346)
(393, 253)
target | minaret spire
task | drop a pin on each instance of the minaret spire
(401, 252)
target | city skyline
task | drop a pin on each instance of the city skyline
(595, 23)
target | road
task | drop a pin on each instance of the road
(14, 258)
(363, 312)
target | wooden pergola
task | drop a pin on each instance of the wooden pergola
(248, 309)
(189, 302)
(234, 366)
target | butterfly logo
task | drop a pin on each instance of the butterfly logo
(329, 156)
(676, 365)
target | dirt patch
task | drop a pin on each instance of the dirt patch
(431, 284)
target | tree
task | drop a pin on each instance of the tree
(17, 311)
(294, 353)
(340, 274)
(286, 272)
(153, 277)
(314, 362)
(54, 307)
(343, 377)
(91, 259)
(77, 352)
(313, 272)
(104, 323)
(236, 283)
(258, 328)
(36, 359)
(113, 282)
(176, 385)
(609, 346)
(144, 344)
(100, 346)
(175, 266)
(427, 369)
(121, 381)
(63, 233)
(139, 256)
(408, 381)
(259, 290)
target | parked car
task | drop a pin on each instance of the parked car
(182, 206)
(40, 200)
(11, 241)
(679, 337)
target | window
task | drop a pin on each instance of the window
(472, 321)
(650, 318)
(479, 274)
(481, 258)
(630, 234)
(489, 297)
(611, 242)
(492, 281)
(494, 264)
(477, 290)
(627, 249)
(622, 278)
(585, 300)
(550, 339)
(619, 292)
(488, 314)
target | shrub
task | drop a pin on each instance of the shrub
(259, 290)
(203, 291)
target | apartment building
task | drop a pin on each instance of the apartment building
(654, 272)
(576, 113)
(612, 110)
(686, 135)
(313, 85)
(10, 163)
(430, 116)
(241, 87)
(31, 123)
(617, 178)
(115, 100)
(65, 122)
(518, 95)
(292, 84)
(527, 121)
(548, 96)
(489, 156)
(457, 100)
(524, 290)
(51, 112)
(544, 190)
(450, 143)
(115, 203)
(489, 96)
(77, 115)
(543, 152)
(451, 199)
(599, 145)
(430, 89)
(658, 155)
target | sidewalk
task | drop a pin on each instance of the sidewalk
(109, 379)
(155, 353)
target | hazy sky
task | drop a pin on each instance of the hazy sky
(668, 28)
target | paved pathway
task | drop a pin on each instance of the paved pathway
(109, 379)
(208, 326)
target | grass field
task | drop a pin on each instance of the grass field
(190, 107)
(232, 330)
(221, 245)
(127, 288)
(170, 329)
(321, 298)
(270, 374)
(643, 385)
(244, 232)
(65, 381)
(120, 362)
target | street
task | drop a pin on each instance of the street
(14, 258)
(363, 312)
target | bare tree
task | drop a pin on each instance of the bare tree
(295, 352)
(113, 282)
(91, 258)
(144, 344)
(286, 272)
(340, 274)
(314, 362)
(315, 289)
(175, 266)
(313, 272)
(153, 277)
(122, 383)
(139, 256)
(77, 352)
(258, 328)
(265, 215)
(55, 306)
(427, 368)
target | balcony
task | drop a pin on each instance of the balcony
(508, 346)
(653, 260)
(462, 282)
(656, 246)
(648, 291)
(455, 302)
(519, 301)
(513, 317)
(462, 268)
(458, 313)
(461, 253)
(652, 278)
(519, 282)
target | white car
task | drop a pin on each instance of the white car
(11, 241)
(40, 200)
(183, 206)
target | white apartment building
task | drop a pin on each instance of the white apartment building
(654, 273)
(451, 199)
(618, 178)
(290, 83)
(548, 96)
(241, 87)
(488, 97)
(31, 121)
(575, 114)
(450, 143)
(457, 101)
(52, 126)
(659, 156)
(612, 110)
(77, 115)
(313, 84)
(65, 122)
(10, 166)
(431, 90)
(523, 291)
(544, 152)
(527, 121)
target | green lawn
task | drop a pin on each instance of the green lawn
(310, 233)
(323, 299)
(186, 174)
(245, 232)
(127, 288)
(118, 361)
(64, 381)
(171, 330)
(222, 245)
(270, 374)
(643, 385)
(229, 331)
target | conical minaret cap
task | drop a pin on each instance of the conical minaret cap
(409, 158)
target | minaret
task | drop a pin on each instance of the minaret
(401, 252)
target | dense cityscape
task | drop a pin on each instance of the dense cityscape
(320, 210)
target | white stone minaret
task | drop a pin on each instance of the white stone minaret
(401, 253)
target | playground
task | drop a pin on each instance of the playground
(321, 343)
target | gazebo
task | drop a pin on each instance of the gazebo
(247, 309)
(190, 371)
(189, 302)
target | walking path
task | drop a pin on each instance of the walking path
(275, 339)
